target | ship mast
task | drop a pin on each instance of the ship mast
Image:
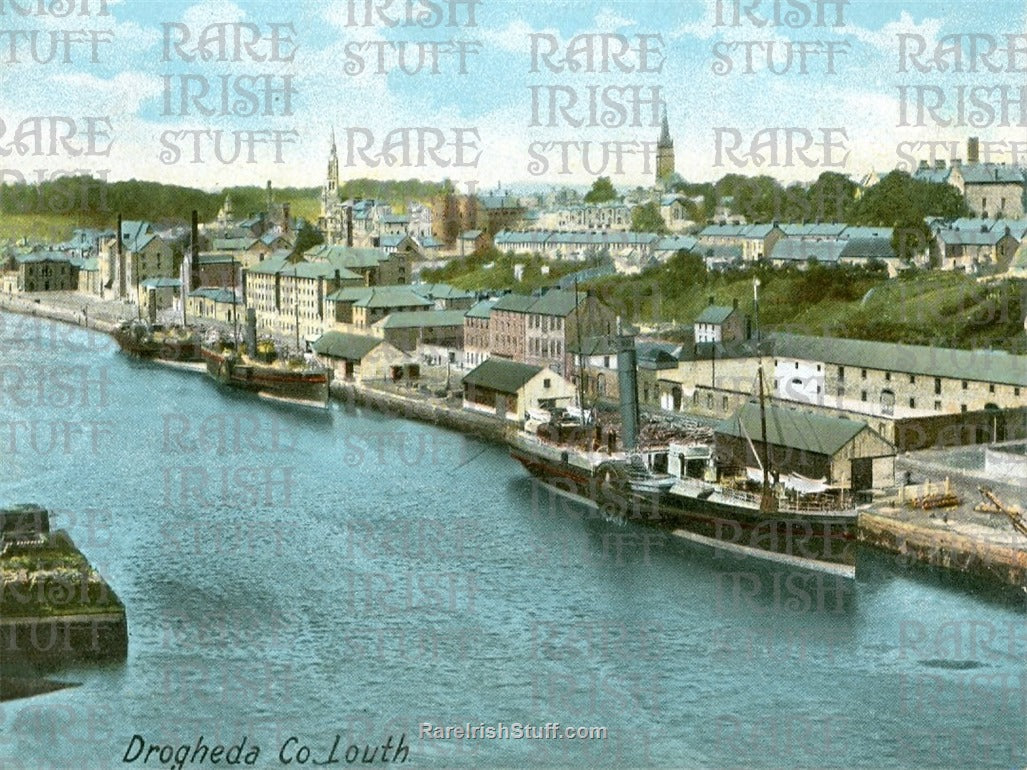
(235, 310)
(581, 357)
(768, 503)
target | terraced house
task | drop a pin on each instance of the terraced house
(290, 297)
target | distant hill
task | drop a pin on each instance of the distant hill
(53, 209)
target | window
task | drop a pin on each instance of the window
(887, 376)
(841, 372)
(863, 396)
(937, 386)
(709, 400)
(1016, 391)
(863, 374)
(912, 379)
(546, 382)
(991, 388)
(912, 403)
(937, 406)
(962, 407)
(723, 404)
(964, 384)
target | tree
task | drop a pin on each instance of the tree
(307, 238)
(602, 190)
(647, 219)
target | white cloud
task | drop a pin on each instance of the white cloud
(608, 20)
(886, 38)
(212, 12)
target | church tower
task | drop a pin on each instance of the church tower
(664, 152)
(330, 221)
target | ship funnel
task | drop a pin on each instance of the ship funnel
(251, 332)
(627, 379)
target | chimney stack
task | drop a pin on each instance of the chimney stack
(349, 226)
(973, 150)
(122, 282)
(194, 256)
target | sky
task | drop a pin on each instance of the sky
(496, 92)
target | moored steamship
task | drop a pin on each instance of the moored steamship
(261, 370)
(682, 485)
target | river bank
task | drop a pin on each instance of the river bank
(955, 542)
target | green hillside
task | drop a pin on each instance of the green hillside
(51, 211)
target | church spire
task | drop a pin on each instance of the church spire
(665, 140)
(664, 153)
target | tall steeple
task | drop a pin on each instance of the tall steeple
(332, 182)
(664, 152)
(330, 221)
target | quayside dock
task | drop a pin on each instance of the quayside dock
(950, 524)
(55, 608)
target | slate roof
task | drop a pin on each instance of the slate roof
(805, 431)
(799, 250)
(505, 237)
(977, 365)
(481, 310)
(380, 297)
(351, 347)
(676, 243)
(416, 319)
(557, 302)
(347, 256)
(514, 303)
(970, 237)
(714, 314)
(233, 244)
(501, 375)
(868, 248)
(732, 231)
(815, 230)
(992, 173)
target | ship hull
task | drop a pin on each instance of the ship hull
(808, 539)
(301, 386)
(171, 349)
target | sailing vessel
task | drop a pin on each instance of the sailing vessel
(679, 485)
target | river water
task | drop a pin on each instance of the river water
(291, 577)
